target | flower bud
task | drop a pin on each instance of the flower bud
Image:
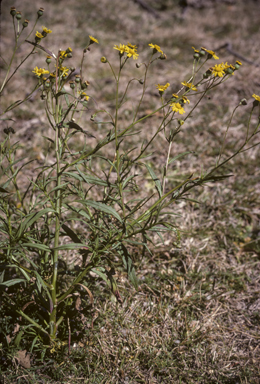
(243, 102)
(238, 64)
(202, 52)
(196, 56)
(47, 83)
(141, 81)
(138, 65)
(163, 57)
(72, 84)
(48, 59)
(85, 85)
(25, 23)
(40, 12)
(77, 78)
(103, 59)
(180, 122)
(18, 15)
(13, 11)
(69, 55)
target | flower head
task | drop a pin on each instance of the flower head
(129, 49)
(46, 30)
(131, 52)
(120, 48)
(211, 53)
(39, 35)
(177, 107)
(185, 99)
(93, 40)
(162, 88)
(256, 97)
(219, 69)
(156, 48)
(40, 71)
(190, 86)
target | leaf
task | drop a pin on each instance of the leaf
(41, 247)
(155, 179)
(30, 219)
(179, 156)
(101, 207)
(9, 283)
(3, 190)
(128, 264)
(71, 246)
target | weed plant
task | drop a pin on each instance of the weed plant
(79, 217)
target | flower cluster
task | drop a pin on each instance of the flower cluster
(129, 49)
(41, 35)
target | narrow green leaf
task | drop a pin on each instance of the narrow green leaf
(179, 156)
(101, 207)
(70, 246)
(155, 179)
(9, 283)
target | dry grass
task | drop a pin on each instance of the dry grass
(195, 317)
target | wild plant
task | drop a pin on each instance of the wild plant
(82, 213)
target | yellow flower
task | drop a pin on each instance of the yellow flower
(219, 69)
(39, 35)
(132, 46)
(64, 70)
(93, 40)
(185, 100)
(40, 71)
(256, 97)
(195, 50)
(131, 52)
(175, 96)
(162, 88)
(238, 62)
(120, 48)
(211, 53)
(156, 48)
(189, 85)
(176, 107)
(46, 30)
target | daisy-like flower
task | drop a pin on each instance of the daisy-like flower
(132, 46)
(162, 88)
(156, 48)
(176, 107)
(93, 40)
(39, 35)
(40, 71)
(211, 53)
(256, 97)
(120, 48)
(190, 86)
(46, 30)
(219, 70)
(131, 52)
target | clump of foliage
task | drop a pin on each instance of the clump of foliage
(82, 205)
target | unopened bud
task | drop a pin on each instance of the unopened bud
(48, 59)
(25, 23)
(18, 15)
(103, 59)
(72, 85)
(141, 81)
(163, 57)
(138, 65)
(243, 102)
(77, 79)
(13, 11)
(40, 12)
